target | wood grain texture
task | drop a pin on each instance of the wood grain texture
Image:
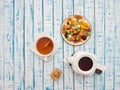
(117, 45)
(1, 44)
(58, 57)
(79, 9)
(99, 39)
(29, 37)
(19, 45)
(38, 28)
(68, 49)
(109, 44)
(22, 20)
(89, 46)
(8, 44)
(48, 27)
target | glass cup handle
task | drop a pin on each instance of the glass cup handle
(100, 69)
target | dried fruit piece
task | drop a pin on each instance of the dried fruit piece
(89, 33)
(76, 38)
(83, 22)
(84, 37)
(83, 27)
(89, 29)
(63, 28)
(78, 30)
(68, 31)
(72, 38)
(66, 35)
(78, 17)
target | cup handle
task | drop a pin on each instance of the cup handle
(100, 69)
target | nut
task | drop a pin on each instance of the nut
(56, 74)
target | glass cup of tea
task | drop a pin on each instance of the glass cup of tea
(44, 46)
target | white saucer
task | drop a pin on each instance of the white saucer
(46, 58)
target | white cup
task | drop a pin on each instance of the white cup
(75, 59)
(35, 50)
(95, 65)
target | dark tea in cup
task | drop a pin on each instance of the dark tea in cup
(45, 45)
(85, 63)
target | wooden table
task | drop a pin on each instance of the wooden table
(22, 20)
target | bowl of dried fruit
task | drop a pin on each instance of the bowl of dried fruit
(76, 30)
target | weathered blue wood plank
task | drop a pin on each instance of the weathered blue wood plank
(117, 45)
(109, 44)
(89, 46)
(29, 36)
(99, 41)
(78, 9)
(58, 58)
(19, 45)
(1, 43)
(48, 27)
(47, 15)
(38, 63)
(68, 49)
(8, 45)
